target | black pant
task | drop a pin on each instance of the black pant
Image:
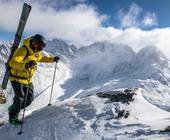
(20, 91)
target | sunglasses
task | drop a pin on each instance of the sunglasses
(38, 46)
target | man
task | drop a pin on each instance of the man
(22, 67)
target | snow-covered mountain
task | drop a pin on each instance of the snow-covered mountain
(98, 61)
(102, 67)
(4, 52)
(59, 47)
(148, 63)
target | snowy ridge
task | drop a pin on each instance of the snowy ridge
(100, 67)
(4, 51)
(95, 65)
(148, 63)
(60, 48)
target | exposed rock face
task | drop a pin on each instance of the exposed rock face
(124, 97)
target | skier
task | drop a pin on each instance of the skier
(22, 67)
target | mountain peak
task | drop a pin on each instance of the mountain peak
(99, 43)
(150, 50)
(151, 55)
(59, 42)
(60, 47)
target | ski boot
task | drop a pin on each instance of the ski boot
(15, 122)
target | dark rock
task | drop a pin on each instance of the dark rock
(125, 96)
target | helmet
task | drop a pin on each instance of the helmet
(40, 40)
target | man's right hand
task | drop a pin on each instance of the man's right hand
(56, 59)
(30, 64)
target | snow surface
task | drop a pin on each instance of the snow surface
(99, 67)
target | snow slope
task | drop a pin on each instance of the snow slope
(100, 67)
(92, 118)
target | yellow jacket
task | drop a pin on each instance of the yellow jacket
(18, 61)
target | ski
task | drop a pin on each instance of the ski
(23, 19)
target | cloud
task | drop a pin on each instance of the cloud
(68, 24)
(58, 4)
(136, 17)
(150, 19)
(49, 2)
(82, 25)
(9, 15)
(131, 17)
(138, 38)
(133, 37)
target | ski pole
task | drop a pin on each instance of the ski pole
(52, 84)
(26, 96)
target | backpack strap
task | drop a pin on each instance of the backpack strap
(14, 76)
(27, 52)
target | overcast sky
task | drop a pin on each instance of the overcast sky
(138, 23)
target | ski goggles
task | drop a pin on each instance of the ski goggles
(39, 46)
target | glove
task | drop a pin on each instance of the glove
(56, 59)
(2, 98)
(30, 64)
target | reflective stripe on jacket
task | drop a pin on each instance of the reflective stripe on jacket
(18, 61)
